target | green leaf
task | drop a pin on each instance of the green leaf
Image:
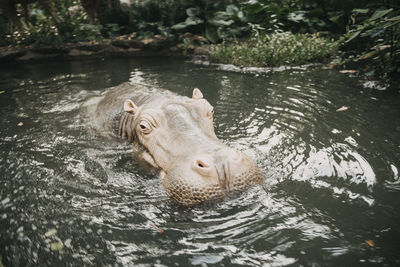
(190, 21)
(241, 16)
(381, 47)
(194, 11)
(391, 24)
(179, 26)
(211, 34)
(193, 21)
(368, 55)
(220, 15)
(297, 16)
(254, 8)
(361, 10)
(335, 19)
(353, 36)
(221, 22)
(394, 19)
(232, 9)
(380, 13)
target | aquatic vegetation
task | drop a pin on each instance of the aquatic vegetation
(276, 49)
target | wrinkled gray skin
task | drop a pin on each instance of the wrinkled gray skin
(175, 135)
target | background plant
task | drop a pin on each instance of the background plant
(270, 50)
(368, 30)
(373, 41)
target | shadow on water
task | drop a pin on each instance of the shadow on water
(332, 180)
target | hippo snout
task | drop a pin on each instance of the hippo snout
(207, 176)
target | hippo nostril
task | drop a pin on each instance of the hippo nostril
(201, 164)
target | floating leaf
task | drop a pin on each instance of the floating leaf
(1, 92)
(348, 71)
(20, 123)
(56, 246)
(342, 109)
(50, 233)
(150, 223)
(370, 242)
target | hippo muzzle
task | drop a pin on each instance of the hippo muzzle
(207, 177)
(175, 134)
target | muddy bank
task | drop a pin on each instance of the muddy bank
(125, 45)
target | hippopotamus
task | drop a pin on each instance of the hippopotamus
(175, 135)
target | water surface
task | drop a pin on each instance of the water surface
(332, 182)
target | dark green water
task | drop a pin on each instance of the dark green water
(332, 180)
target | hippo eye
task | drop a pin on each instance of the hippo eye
(144, 127)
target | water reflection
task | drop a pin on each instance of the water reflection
(331, 177)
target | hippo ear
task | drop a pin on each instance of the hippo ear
(130, 107)
(197, 94)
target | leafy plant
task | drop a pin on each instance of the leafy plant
(215, 24)
(43, 33)
(277, 49)
(375, 40)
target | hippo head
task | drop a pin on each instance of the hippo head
(176, 135)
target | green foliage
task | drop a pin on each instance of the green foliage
(187, 46)
(374, 41)
(303, 16)
(274, 50)
(215, 21)
(220, 20)
(43, 33)
(369, 28)
(41, 30)
(150, 17)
